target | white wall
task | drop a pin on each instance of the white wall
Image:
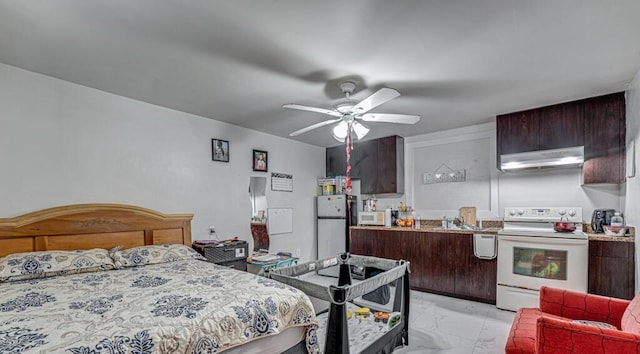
(61, 143)
(469, 149)
(632, 200)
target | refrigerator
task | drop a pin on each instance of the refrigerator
(335, 214)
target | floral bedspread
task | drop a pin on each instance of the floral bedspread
(187, 306)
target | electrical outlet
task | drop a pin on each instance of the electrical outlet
(298, 252)
(212, 230)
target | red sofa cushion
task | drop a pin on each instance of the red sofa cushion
(631, 317)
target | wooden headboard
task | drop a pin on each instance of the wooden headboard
(85, 226)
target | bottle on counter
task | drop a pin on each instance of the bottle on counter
(444, 222)
(617, 220)
(416, 221)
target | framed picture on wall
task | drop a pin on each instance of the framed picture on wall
(260, 160)
(220, 150)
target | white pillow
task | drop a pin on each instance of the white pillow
(31, 265)
(152, 254)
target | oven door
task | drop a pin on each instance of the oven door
(527, 263)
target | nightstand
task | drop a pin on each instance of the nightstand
(229, 253)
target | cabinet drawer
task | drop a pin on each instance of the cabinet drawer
(611, 249)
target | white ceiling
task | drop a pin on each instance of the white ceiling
(456, 63)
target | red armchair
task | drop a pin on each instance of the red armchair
(550, 329)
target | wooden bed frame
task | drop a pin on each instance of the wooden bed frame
(86, 226)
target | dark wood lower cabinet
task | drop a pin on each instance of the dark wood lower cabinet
(438, 271)
(475, 278)
(441, 263)
(612, 268)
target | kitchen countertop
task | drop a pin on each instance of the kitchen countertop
(491, 230)
(603, 237)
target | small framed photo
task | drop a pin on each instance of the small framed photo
(259, 160)
(220, 150)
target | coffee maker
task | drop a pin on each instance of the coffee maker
(600, 218)
(394, 217)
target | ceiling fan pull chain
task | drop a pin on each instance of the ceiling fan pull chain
(348, 149)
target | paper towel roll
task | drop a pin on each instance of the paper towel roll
(387, 217)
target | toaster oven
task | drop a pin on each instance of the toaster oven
(371, 218)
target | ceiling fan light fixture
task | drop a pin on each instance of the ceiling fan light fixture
(340, 131)
(360, 130)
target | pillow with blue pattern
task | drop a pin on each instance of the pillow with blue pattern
(31, 265)
(152, 254)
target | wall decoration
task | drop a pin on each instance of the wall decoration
(220, 150)
(444, 176)
(260, 161)
(281, 182)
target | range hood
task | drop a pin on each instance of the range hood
(564, 157)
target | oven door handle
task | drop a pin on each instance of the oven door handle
(543, 240)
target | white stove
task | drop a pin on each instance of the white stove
(540, 221)
(532, 254)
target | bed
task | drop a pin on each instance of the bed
(112, 278)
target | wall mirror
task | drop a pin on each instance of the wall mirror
(258, 198)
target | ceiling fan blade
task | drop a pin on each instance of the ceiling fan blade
(381, 96)
(391, 118)
(312, 127)
(313, 109)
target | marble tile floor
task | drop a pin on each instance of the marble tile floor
(441, 324)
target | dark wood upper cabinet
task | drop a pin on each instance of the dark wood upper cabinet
(379, 164)
(517, 132)
(390, 167)
(560, 126)
(604, 135)
(596, 123)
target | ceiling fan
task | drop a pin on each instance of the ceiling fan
(348, 112)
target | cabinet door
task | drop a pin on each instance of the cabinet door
(379, 164)
(364, 165)
(362, 242)
(475, 278)
(439, 259)
(363, 162)
(612, 268)
(390, 167)
(336, 161)
(517, 132)
(394, 245)
(604, 135)
(561, 126)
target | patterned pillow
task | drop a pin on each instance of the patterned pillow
(31, 265)
(152, 254)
